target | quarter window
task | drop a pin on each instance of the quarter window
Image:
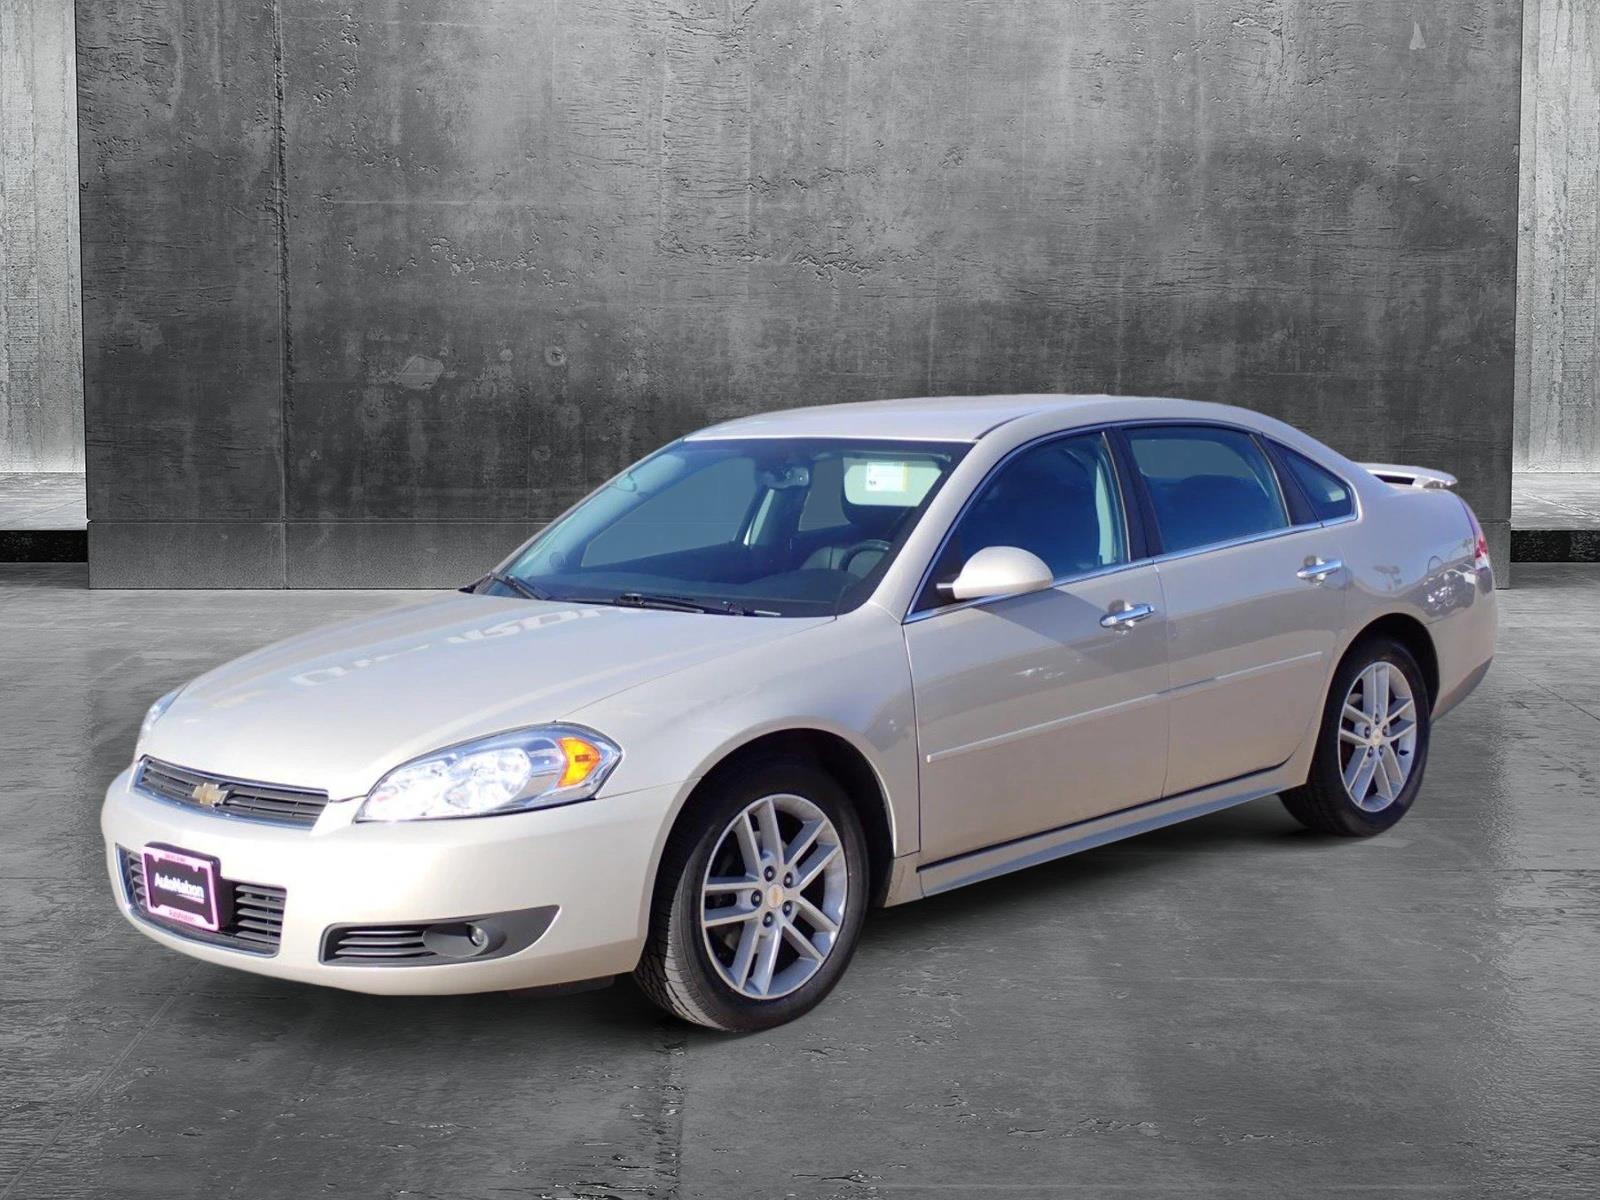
(1207, 484)
(1058, 500)
(1329, 495)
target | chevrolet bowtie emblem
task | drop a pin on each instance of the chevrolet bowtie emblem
(209, 794)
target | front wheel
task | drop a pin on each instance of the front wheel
(759, 900)
(1372, 745)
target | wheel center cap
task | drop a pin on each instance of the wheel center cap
(774, 896)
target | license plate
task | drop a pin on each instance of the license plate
(184, 887)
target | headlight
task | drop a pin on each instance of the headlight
(509, 772)
(150, 719)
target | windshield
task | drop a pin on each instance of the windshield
(767, 527)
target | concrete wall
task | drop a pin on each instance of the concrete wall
(1558, 334)
(373, 289)
(41, 347)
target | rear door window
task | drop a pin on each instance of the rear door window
(1207, 484)
(1329, 495)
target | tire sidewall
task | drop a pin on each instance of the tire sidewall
(702, 831)
(1356, 819)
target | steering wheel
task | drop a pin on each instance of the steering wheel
(862, 547)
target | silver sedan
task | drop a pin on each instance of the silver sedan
(801, 664)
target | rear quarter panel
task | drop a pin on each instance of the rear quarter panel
(1412, 552)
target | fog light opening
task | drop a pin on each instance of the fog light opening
(462, 939)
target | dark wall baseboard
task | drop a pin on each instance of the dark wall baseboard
(1555, 545)
(44, 545)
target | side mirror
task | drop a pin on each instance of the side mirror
(1000, 571)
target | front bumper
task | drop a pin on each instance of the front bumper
(595, 861)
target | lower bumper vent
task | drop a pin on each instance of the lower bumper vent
(462, 939)
(256, 926)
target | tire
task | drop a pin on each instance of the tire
(1324, 802)
(690, 969)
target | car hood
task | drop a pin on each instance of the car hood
(335, 708)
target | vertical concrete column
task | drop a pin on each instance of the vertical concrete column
(1558, 313)
(41, 330)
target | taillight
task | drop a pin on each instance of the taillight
(1480, 547)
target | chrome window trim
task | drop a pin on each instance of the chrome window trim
(1103, 429)
(1249, 540)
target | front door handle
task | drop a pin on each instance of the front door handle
(1127, 616)
(1318, 569)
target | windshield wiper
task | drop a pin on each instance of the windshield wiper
(677, 604)
(520, 586)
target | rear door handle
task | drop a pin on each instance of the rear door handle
(1319, 569)
(1127, 616)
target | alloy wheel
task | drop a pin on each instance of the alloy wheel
(773, 896)
(1377, 736)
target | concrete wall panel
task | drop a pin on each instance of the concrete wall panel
(1558, 316)
(525, 243)
(181, 251)
(41, 342)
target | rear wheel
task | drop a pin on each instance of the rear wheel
(759, 900)
(1372, 746)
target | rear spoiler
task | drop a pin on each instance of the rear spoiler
(1411, 477)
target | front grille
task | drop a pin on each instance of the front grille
(379, 944)
(256, 926)
(239, 798)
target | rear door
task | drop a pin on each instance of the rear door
(1040, 710)
(1255, 593)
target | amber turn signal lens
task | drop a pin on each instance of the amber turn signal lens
(583, 757)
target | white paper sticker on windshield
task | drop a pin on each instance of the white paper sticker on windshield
(885, 477)
(892, 483)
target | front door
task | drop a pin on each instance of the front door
(1041, 710)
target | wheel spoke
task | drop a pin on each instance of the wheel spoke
(1393, 769)
(1369, 693)
(767, 823)
(745, 955)
(1400, 709)
(806, 876)
(1354, 714)
(801, 943)
(1351, 736)
(721, 884)
(1352, 769)
(748, 850)
(1366, 766)
(803, 841)
(1380, 703)
(820, 920)
(731, 915)
(1380, 778)
(766, 961)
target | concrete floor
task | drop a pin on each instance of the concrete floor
(1228, 1008)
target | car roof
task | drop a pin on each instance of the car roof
(958, 418)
